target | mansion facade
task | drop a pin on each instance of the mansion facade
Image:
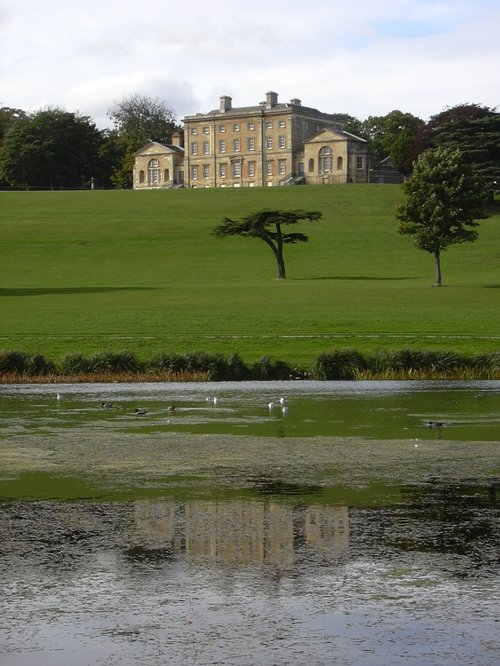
(270, 144)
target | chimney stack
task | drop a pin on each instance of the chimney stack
(271, 99)
(178, 139)
(225, 103)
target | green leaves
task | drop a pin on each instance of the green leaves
(52, 148)
(267, 225)
(445, 197)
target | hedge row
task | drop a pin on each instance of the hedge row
(339, 364)
(215, 367)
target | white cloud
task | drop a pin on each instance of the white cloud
(416, 55)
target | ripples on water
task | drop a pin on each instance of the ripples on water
(233, 534)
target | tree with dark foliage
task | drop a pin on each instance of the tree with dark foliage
(268, 226)
(51, 149)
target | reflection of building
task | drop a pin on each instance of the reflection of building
(154, 523)
(242, 532)
(272, 143)
(326, 529)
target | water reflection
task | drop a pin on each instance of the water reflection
(125, 582)
(442, 519)
(241, 533)
(345, 531)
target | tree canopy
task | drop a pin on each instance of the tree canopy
(394, 135)
(9, 116)
(445, 197)
(52, 148)
(475, 131)
(268, 226)
(138, 119)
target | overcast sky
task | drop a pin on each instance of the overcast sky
(363, 58)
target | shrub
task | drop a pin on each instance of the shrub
(24, 363)
(489, 362)
(170, 363)
(339, 364)
(236, 370)
(268, 368)
(121, 361)
(75, 364)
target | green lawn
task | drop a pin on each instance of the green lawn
(95, 271)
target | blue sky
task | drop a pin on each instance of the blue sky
(365, 58)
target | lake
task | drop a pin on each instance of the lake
(260, 523)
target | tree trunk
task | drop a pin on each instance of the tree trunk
(281, 268)
(437, 265)
(279, 254)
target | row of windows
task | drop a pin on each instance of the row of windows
(325, 163)
(237, 127)
(235, 167)
(205, 146)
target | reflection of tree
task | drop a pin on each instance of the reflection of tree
(149, 555)
(446, 518)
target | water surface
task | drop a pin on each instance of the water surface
(336, 527)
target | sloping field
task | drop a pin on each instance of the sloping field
(94, 271)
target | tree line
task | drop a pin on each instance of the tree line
(56, 149)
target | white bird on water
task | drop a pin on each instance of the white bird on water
(59, 396)
(213, 399)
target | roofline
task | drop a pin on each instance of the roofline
(346, 135)
(168, 146)
(260, 109)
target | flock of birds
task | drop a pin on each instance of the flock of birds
(272, 406)
(140, 411)
(281, 405)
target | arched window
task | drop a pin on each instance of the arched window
(325, 159)
(340, 163)
(311, 165)
(153, 172)
(166, 175)
(141, 176)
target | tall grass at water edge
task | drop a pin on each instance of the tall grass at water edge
(339, 364)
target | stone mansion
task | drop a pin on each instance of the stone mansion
(270, 144)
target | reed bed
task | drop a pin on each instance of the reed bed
(338, 364)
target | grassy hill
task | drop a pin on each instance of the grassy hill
(91, 271)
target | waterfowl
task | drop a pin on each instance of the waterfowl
(59, 396)
(139, 411)
(106, 405)
(171, 408)
(435, 424)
